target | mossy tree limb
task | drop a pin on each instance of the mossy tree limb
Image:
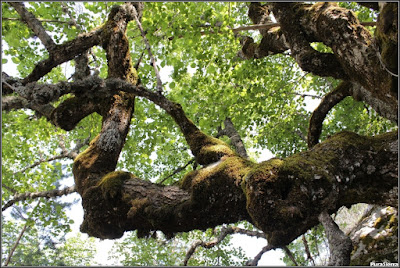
(357, 57)
(102, 155)
(282, 197)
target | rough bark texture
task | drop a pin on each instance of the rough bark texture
(282, 197)
(369, 62)
(375, 237)
(340, 245)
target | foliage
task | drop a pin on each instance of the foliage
(43, 245)
(159, 251)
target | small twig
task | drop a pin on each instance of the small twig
(64, 154)
(41, 20)
(72, 21)
(153, 61)
(224, 232)
(37, 163)
(178, 170)
(136, 66)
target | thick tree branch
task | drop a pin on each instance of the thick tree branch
(35, 25)
(340, 245)
(236, 140)
(310, 60)
(355, 55)
(353, 46)
(63, 53)
(270, 25)
(9, 103)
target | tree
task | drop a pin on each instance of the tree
(253, 86)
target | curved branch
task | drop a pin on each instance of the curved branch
(319, 114)
(257, 258)
(65, 52)
(310, 60)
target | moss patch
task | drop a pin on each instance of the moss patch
(111, 184)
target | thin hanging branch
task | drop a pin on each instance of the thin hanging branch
(153, 60)
(290, 254)
(224, 232)
(307, 249)
(41, 20)
(46, 194)
(16, 244)
(176, 171)
(19, 239)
